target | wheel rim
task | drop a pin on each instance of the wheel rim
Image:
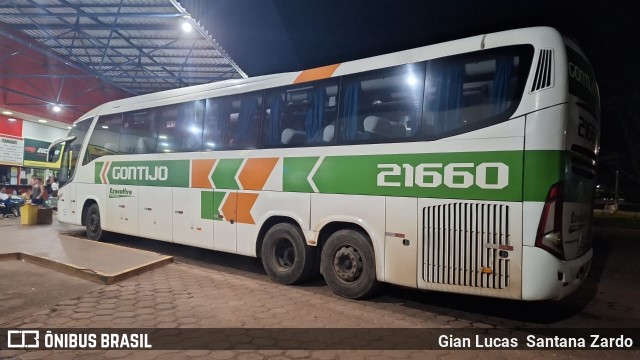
(284, 255)
(347, 264)
(93, 223)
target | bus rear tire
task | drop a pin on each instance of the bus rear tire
(93, 225)
(348, 264)
(286, 257)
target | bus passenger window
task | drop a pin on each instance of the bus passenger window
(180, 127)
(139, 133)
(469, 91)
(382, 105)
(232, 122)
(301, 115)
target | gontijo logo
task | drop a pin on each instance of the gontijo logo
(160, 173)
(144, 173)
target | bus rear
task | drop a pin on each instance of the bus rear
(564, 230)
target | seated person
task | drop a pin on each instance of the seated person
(5, 199)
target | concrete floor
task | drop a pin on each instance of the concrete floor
(205, 289)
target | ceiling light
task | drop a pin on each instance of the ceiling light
(7, 113)
(68, 127)
(42, 120)
(12, 119)
(186, 26)
(105, 127)
(56, 108)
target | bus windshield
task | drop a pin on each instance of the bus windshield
(72, 150)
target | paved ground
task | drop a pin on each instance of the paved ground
(209, 289)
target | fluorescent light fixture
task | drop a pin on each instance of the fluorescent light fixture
(105, 127)
(12, 119)
(68, 127)
(194, 130)
(42, 121)
(7, 113)
(164, 144)
(167, 150)
(210, 144)
(162, 136)
(186, 26)
(56, 108)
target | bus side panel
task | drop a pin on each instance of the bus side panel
(267, 204)
(401, 241)
(193, 225)
(365, 211)
(122, 209)
(155, 207)
(67, 204)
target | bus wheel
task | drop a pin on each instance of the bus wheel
(285, 255)
(348, 264)
(92, 221)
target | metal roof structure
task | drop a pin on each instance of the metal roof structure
(139, 46)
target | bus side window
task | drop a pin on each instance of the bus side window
(382, 105)
(180, 127)
(139, 133)
(301, 115)
(232, 122)
(468, 91)
(104, 138)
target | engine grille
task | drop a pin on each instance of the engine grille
(464, 243)
(544, 71)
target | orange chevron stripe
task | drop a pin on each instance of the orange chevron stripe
(255, 172)
(200, 170)
(318, 73)
(228, 208)
(245, 204)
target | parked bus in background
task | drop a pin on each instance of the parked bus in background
(466, 166)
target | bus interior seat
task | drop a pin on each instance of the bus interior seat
(291, 136)
(383, 127)
(328, 133)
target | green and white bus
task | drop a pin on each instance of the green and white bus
(466, 166)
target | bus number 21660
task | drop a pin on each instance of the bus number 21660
(490, 175)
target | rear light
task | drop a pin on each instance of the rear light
(549, 235)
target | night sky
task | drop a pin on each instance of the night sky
(271, 36)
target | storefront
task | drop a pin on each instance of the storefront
(22, 156)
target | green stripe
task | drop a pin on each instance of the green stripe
(99, 166)
(358, 175)
(217, 200)
(174, 173)
(224, 175)
(295, 172)
(207, 207)
(543, 168)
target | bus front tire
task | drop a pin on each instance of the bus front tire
(286, 257)
(92, 223)
(348, 264)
